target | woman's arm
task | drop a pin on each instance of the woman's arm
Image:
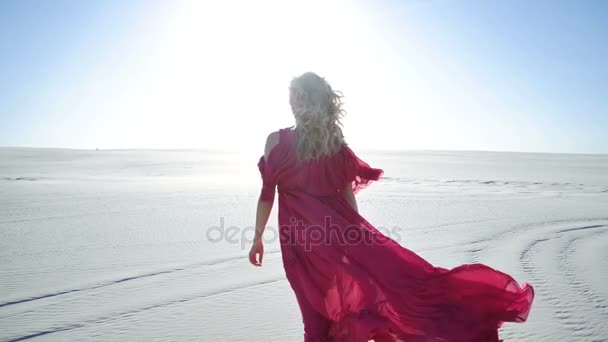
(256, 254)
(349, 196)
(264, 207)
(261, 218)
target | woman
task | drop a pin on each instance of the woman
(351, 282)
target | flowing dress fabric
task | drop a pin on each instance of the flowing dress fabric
(354, 284)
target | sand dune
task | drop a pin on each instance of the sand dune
(123, 245)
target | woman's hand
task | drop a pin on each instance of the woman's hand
(256, 254)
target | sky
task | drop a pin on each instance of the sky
(489, 75)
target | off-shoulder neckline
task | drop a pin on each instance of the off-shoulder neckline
(291, 129)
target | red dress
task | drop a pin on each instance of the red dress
(354, 284)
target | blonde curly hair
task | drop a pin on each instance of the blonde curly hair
(317, 109)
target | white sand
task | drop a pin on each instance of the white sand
(112, 245)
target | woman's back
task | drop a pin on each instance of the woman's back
(322, 176)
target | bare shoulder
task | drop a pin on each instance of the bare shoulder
(271, 142)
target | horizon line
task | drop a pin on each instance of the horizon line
(232, 149)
